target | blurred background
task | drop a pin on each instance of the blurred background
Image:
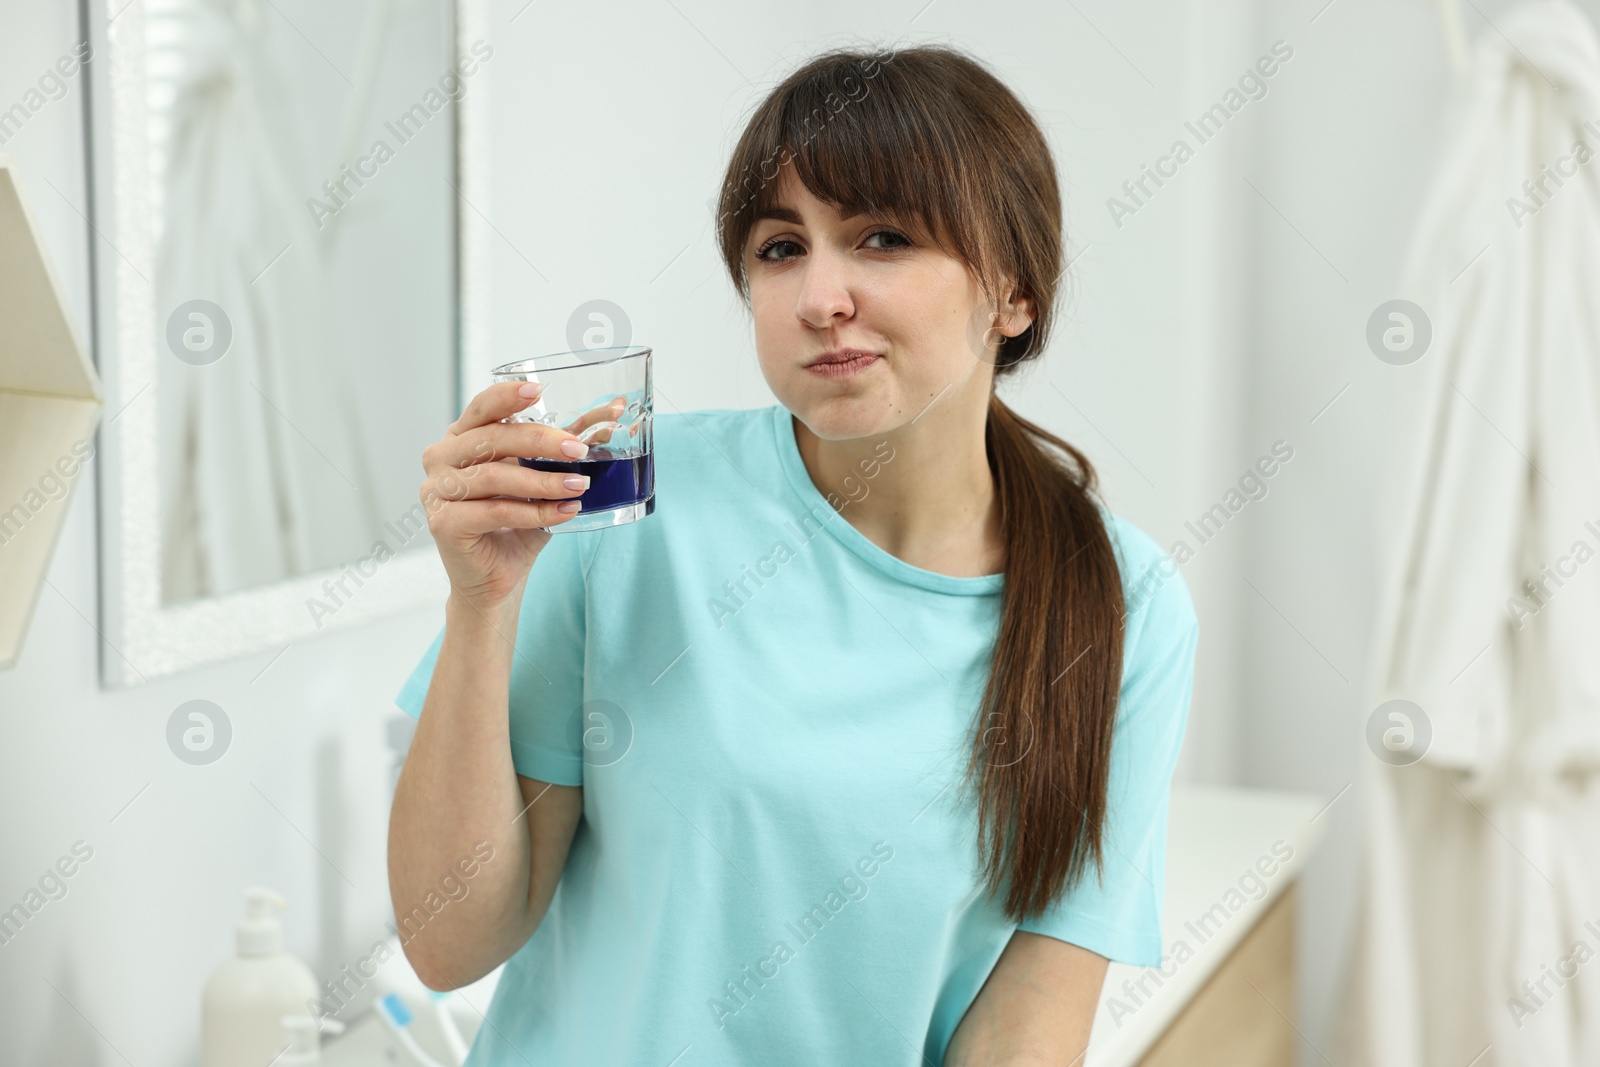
(1219, 316)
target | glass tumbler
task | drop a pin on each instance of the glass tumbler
(602, 395)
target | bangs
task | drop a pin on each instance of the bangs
(858, 142)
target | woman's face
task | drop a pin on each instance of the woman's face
(820, 284)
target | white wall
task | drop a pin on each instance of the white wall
(1346, 154)
(1200, 331)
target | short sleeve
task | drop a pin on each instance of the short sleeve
(1119, 914)
(547, 669)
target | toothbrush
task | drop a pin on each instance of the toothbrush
(447, 1025)
(392, 1010)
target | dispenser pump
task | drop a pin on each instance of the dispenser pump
(304, 1041)
(260, 932)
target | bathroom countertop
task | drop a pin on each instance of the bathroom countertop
(1220, 843)
(1231, 853)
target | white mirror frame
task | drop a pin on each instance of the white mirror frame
(141, 639)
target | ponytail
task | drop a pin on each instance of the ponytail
(1041, 750)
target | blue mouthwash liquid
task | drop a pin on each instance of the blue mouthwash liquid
(615, 480)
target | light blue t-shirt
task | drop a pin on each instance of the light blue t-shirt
(769, 716)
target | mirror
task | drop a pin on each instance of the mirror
(277, 190)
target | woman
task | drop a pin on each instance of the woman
(858, 750)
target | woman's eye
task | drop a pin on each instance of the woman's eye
(762, 252)
(782, 248)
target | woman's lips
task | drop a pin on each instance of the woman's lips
(843, 368)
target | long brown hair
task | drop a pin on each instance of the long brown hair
(929, 134)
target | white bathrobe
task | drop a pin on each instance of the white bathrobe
(1481, 928)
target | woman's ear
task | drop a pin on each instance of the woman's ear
(1015, 312)
(995, 321)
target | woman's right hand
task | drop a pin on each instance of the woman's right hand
(477, 495)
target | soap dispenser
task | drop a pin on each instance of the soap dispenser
(245, 1000)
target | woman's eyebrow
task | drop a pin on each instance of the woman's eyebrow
(791, 216)
(782, 214)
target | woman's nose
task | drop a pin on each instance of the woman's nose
(824, 291)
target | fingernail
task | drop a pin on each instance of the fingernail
(574, 448)
(530, 389)
(569, 506)
(576, 481)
